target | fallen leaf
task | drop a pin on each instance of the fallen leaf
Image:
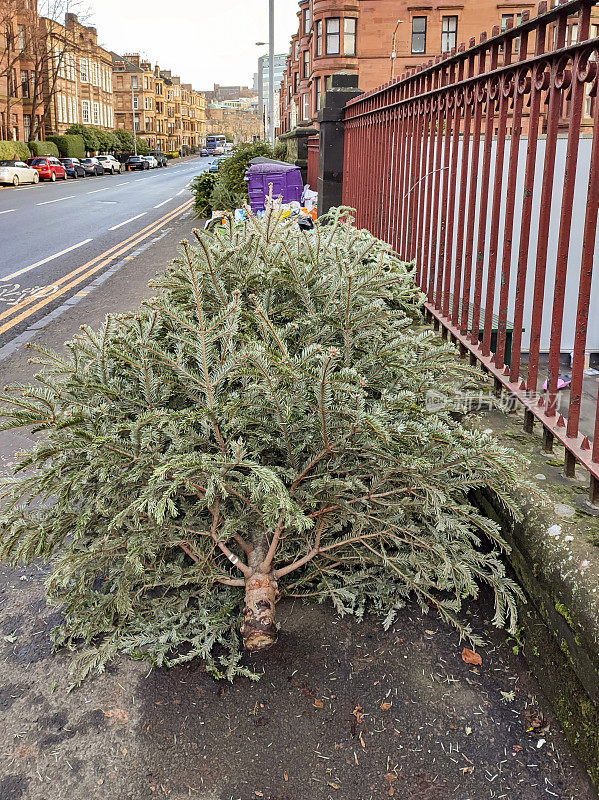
(117, 716)
(468, 730)
(362, 742)
(391, 776)
(430, 633)
(385, 706)
(333, 785)
(467, 770)
(259, 794)
(470, 657)
(358, 713)
(508, 696)
(319, 703)
(285, 777)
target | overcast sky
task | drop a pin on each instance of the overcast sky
(203, 41)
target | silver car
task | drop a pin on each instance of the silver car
(16, 172)
(110, 164)
(151, 161)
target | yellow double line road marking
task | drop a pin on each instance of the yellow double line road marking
(86, 270)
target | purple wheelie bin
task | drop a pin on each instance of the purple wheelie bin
(286, 180)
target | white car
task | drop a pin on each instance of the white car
(17, 172)
(110, 164)
(151, 161)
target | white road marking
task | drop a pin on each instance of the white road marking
(8, 210)
(58, 199)
(164, 202)
(181, 192)
(137, 180)
(95, 191)
(122, 184)
(44, 261)
(120, 225)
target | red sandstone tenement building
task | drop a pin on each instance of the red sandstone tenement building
(357, 36)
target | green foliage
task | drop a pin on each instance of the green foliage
(88, 132)
(233, 168)
(280, 150)
(126, 140)
(202, 187)
(270, 397)
(108, 142)
(230, 187)
(18, 151)
(43, 149)
(143, 148)
(174, 154)
(229, 137)
(69, 145)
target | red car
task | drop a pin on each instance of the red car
(48, 167)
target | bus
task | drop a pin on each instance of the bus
(215, 144)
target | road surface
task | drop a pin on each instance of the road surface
(56, 239)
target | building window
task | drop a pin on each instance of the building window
(349, 36)
(85, 118)
(296, 51)
(333, 28)
(306, 106)
(306, 64)
(419, 34)
(83, 70)
(24, 83)
(135, 103)
(21, 37)
(134, 81)
(449, 33)
(96, 113)
(307, 20)
(27, 126)
(295, 82)
(318, 27)
(317, 94)
(505, 20)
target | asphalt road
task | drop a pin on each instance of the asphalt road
(57, 238)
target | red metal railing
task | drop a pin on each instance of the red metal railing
(483, 167)
(313, 162)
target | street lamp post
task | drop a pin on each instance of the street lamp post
(393, 51)
(271, 72)
(133, 112)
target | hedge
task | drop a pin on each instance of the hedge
(70, 145)
(174, 154)
(14, 150)
(43, 149)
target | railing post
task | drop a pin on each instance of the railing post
(341, 88)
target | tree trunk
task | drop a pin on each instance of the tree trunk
(259, 630)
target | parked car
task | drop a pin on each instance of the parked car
(17, 172)
(110, 164)
(137, 162)
(151, 161)
(92, 166)
(48, 168)
(204, 152)
(73, 167)
(160, 157)
(214, 166)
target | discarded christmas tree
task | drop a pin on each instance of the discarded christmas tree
(258, 430)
